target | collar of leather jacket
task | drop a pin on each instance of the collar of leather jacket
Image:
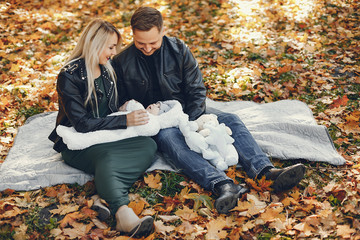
(77, 68)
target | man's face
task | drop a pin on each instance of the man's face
(148, 41)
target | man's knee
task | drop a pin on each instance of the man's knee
(167, 134)
(228, 118)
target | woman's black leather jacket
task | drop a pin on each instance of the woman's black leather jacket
(176, 69)
(72, 91)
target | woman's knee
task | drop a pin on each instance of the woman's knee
(152, 146)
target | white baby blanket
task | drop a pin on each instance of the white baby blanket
(285, 130)
(77, 140)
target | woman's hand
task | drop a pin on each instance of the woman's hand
(137, 117)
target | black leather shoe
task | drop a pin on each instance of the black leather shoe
(285, 178)
(229, 194)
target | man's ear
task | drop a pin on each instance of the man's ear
(164, 30)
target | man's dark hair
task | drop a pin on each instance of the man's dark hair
(145, 18)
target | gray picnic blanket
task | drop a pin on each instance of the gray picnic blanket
(284, 129)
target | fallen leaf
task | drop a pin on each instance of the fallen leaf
(215, 229)
(70, 218)
(305, 228)
(339, 102)
(153, 181)
(166, 218)
(137, 206)
(200, 199)
(163, 229)
(64, 209)
(344, 231)
(187, 214)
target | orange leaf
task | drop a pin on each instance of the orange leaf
(137, 206)
(14, 68)
(215, 229)
(187, 214)
(231, 173)
(344, 231)
(153, 181)
(88, 212)
(8, 191)
(273, 212)
(51, 192)
(260, 185)
(341, 101)
(49, 26)
(253, 184)
(265, 184)
(70, 218)
(284, 69)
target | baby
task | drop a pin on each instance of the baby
(154, 108)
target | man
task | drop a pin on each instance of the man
(157, 68)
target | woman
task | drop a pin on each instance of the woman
(87, 93)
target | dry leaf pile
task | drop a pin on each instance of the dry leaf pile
(257, 50)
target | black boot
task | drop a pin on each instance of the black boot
(228, 193)
(286, 178)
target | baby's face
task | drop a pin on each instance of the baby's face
(154, 108)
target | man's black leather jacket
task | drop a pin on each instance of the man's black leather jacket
(72, 91)
(177, 71)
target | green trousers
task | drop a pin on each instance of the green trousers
(115, 166)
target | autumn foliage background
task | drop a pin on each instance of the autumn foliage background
(259, 50)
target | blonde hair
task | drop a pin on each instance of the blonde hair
(90, 45)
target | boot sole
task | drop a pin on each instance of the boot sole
(225, 204)
(144, 228)
(103, 212)
(289, 179)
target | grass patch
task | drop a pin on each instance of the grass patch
(31, 111)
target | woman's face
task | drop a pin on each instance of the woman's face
(110, 49)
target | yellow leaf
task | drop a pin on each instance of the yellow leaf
(221, 70)
(184, 192)
(356, 166)
(14, 68)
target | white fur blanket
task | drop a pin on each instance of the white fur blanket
(285, 130)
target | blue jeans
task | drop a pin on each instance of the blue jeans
(171, 142)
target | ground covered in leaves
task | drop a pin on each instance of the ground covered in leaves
(256, 50)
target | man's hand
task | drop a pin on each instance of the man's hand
(137, 117)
